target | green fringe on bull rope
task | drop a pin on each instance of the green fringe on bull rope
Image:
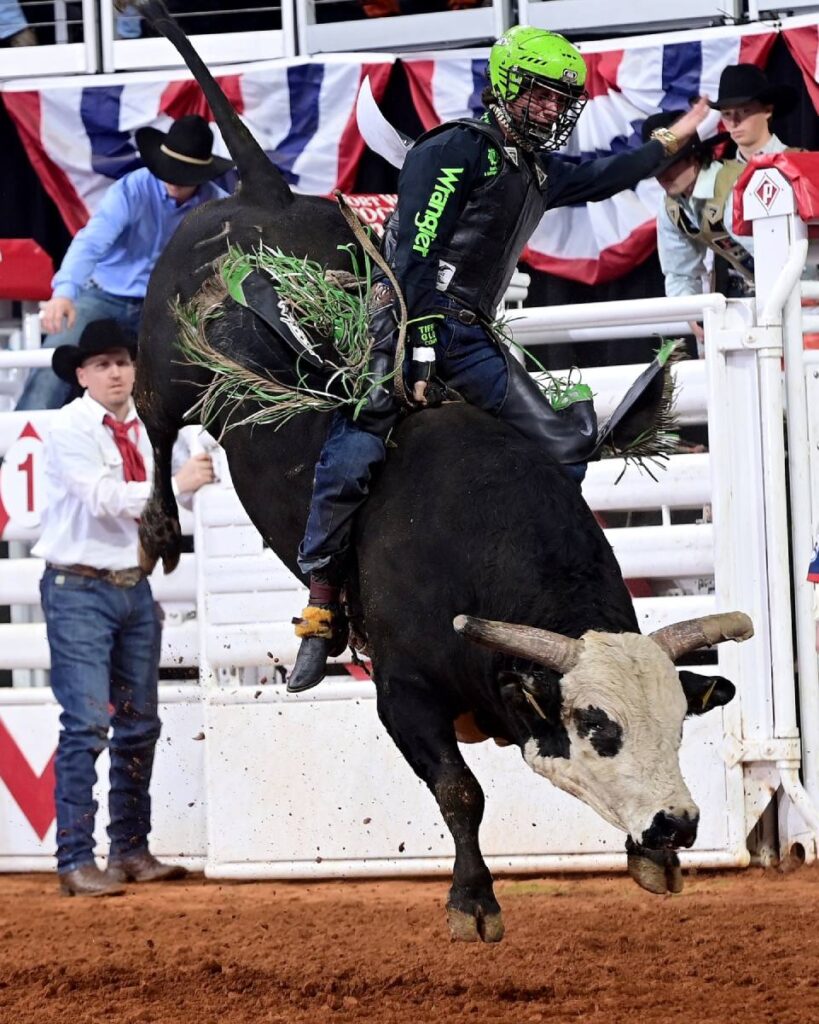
(559, 392)
(332, 304)
(656, 444)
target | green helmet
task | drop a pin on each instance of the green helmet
(525, 58)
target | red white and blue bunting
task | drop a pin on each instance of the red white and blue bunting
(80, 137)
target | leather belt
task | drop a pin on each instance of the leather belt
(463, 316)
(118, 577)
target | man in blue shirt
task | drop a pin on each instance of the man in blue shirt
(14, 29)
(105, 272)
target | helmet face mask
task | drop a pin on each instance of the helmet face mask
(537, 79)
(545, 133)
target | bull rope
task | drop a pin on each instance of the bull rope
(366, 243)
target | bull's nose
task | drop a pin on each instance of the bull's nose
(671, 830)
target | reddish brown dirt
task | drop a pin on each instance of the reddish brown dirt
(738, 947)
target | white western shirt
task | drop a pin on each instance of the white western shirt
(91, 513)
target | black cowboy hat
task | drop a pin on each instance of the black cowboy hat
(97, 337)
(694, 147)
(742, 83)
(182, 155)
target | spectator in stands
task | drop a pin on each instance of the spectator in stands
(386, 8)
(692, 218)
(470, 194)
(106, 269)
(127, 23)
(697, 212)
(14, 29)
(747, 102)
(103, 627)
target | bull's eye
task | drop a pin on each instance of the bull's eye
(605, 735)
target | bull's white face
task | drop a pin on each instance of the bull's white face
(623, 709)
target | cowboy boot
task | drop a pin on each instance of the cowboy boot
(88, 880)
(322, 628)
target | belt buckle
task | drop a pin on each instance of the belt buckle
(125, 578)
(467, 317)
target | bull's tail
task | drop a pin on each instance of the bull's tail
(259, 178)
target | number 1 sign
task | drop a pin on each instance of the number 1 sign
(22, 489)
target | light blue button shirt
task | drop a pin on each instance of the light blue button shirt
(119, 246)
(12, 19)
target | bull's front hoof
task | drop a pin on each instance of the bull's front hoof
(466, 927)
(160, 536)
(656, 871)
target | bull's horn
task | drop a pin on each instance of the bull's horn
(683, 637)
(551, 649)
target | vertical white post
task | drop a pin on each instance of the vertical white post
(107, 37)
(740, 569)
(89, 35)
(60, 22)
(780, 246)
(737, 483)
(289, 29)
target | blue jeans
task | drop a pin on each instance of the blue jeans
(466, 359)
(105, 645)
(44, 389)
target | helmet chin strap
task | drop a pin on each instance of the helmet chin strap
(506, 123)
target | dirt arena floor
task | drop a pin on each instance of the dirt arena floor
(734, 947)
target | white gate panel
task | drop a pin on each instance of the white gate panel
(29, 726)
(359, 809)
(278, 606)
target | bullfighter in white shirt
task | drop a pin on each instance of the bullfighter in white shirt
(103, 626)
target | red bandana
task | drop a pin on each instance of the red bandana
(133, 465)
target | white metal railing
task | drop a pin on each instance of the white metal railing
(273, 36)
(402, 32)
(232, 571)
(617, 16)
(240, 627)
(114, 41)
(62, 56)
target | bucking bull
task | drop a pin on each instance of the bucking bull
(492, 603)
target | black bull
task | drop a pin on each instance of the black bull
(467, 518)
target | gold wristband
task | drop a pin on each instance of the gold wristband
(667, 139)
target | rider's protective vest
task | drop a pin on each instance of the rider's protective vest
(712, 231)
(494, 226)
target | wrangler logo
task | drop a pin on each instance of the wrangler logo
(427, 222)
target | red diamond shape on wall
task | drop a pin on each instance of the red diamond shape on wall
(766, 191)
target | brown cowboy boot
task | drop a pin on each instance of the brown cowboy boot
(142, 866)
(88, 880)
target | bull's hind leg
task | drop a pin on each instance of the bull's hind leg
(425, 735)
(160, 536)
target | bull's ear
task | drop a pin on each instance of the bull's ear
(704, 693)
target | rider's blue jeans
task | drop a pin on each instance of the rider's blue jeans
(468, 361)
